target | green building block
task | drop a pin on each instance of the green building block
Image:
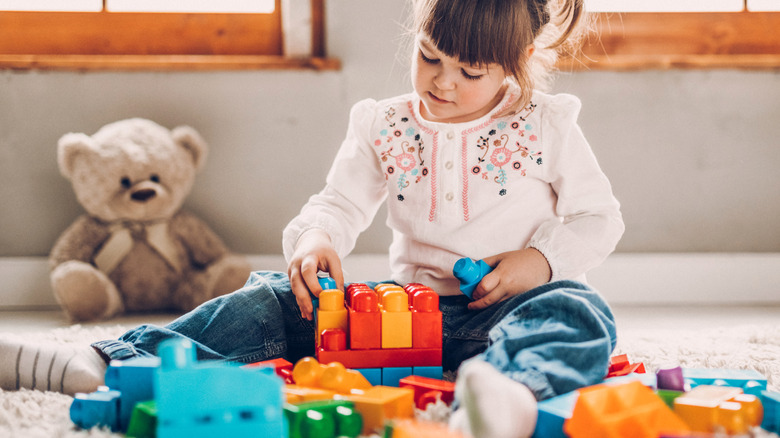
(143, 421)
(323, 419)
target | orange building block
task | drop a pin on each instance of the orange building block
(331, 312)
(365, 321)
(426, 319)
(421, 429)
(710, 408)
(332, 377)
(396, 319)
(381, 403)
(622, 410)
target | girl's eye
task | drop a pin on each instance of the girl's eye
(428, 60)
(470, 77)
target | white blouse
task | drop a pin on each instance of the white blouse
(473, 189)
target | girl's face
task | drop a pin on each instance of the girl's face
(452, 91)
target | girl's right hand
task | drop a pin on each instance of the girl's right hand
(313, 253)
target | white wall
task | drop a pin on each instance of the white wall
(692, 155)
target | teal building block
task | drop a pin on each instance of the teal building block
(323, 419)
(751, 381)
(771, 403)
(373, 375)
(430, 372)
(99, 408)
(553, 412)
(470, 273)
(212, 398)
(392, 375)
(134, 379)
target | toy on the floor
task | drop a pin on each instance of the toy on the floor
(717, 401)
(387, 333)
(135, 249)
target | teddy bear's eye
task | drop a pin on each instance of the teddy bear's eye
(154, 178)
(125, 182)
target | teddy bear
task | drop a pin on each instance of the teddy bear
(135, 249)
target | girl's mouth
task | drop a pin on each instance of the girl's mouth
(436, 98)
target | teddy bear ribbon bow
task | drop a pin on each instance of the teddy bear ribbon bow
(123, 237)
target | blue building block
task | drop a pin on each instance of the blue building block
(553, 412)
(470, 273)
(212, 398)
(392, 375)
(430, 372)
(100, 408)
(134, 379)
(751, 381)
(373, 375)
(771, 402)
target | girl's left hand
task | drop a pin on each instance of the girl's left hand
(514, 272)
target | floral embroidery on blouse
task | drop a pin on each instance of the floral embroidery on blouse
(400, 147)
(497, 157)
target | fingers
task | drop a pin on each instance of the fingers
(487, 293)
(301, 292)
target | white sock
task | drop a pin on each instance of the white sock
(50, 367)
(492, 404)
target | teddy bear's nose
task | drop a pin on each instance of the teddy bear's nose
(143, 195)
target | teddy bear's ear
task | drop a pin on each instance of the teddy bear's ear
(69, 147)
(193, 143)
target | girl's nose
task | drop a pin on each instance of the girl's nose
(444, 80)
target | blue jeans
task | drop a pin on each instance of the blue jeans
(554, 339)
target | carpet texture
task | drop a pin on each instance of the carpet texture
(36, 414)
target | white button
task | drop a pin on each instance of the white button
(449, 196)
(448, 164)
(450, 135)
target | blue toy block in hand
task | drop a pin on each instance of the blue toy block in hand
(470, 273)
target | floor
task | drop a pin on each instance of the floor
(629, 318)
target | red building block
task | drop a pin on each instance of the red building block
(383, 358)
(365, 321)
(282, 367)
(426, 320)
(426, 390)
(620, 366)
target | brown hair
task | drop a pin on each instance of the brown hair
(481, 32)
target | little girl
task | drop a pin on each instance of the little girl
(474, 163)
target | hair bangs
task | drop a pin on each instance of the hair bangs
(475, 32)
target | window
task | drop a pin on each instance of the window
(153, 35)
(664, 34)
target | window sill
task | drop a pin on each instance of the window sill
(671, 62)
(164, 62)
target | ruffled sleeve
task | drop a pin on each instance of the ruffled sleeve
(354, 191)
(589, 223)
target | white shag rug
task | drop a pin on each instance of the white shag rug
(37, 414)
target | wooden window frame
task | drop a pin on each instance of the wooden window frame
(155, 41)
(700, 40)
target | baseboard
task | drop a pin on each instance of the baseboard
(624, 279)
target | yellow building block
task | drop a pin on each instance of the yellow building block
(381, 403)
(295, 394)
(712, 408)
(332, 313)
(396, 320)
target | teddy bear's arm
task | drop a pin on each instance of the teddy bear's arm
(79, 241)
(203, 245)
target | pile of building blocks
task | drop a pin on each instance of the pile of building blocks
(674, 402)
(386, 333)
